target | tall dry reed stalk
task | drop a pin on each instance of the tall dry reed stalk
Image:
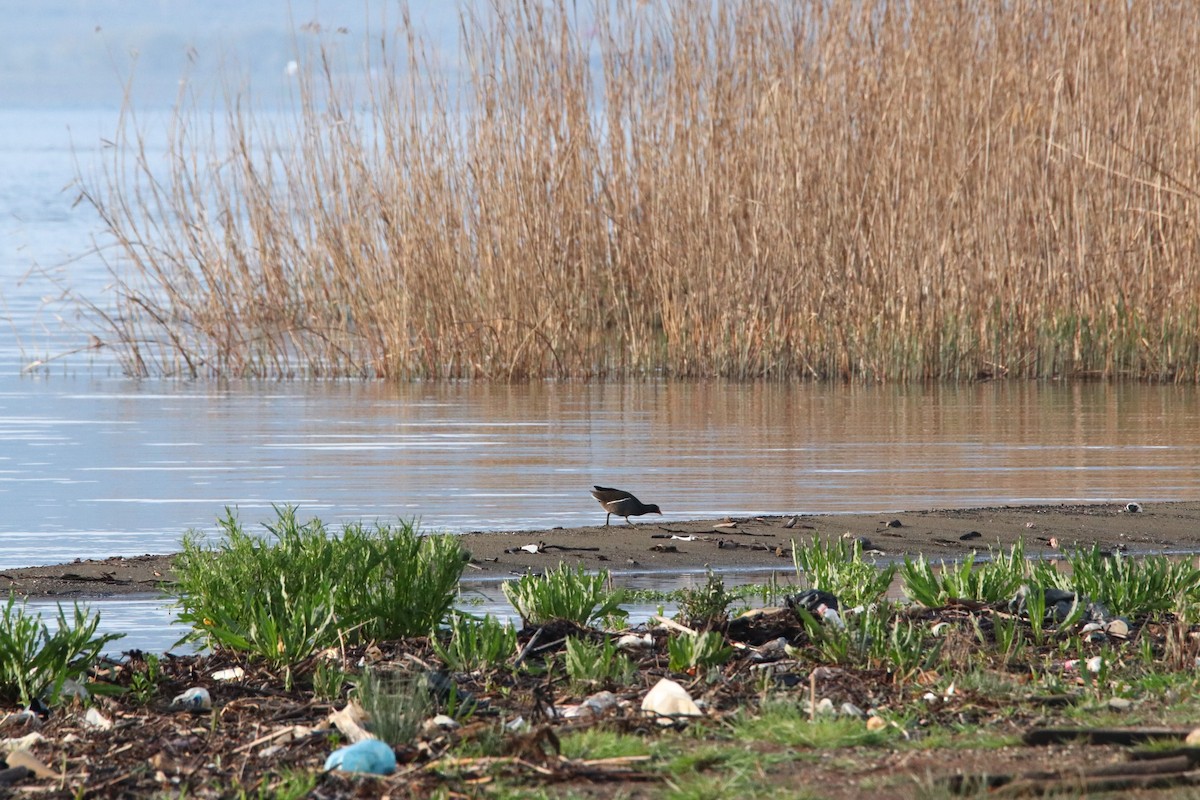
(872, 190)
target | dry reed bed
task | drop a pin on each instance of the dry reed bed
(746, 189)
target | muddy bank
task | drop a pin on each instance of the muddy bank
(742, 543)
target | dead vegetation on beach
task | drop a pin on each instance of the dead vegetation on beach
(870, 191)
(998, 675)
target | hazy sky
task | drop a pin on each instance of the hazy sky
(80, 53)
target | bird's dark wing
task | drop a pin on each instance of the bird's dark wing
(623, 505)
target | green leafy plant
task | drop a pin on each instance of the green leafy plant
(287, 785)
(838, 567)
(706, 606)
(284, 629)
(285, 596)
(1126, 586)
(1009, 636)
(471, 643)
(598, 663)
(329, 680)
(35, 662)
(990, 580)
(697, 651)
(143, 682)
(876, 638)
(565, 594)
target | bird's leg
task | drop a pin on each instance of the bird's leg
(607, 517)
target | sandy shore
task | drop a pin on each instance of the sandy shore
(743, 543)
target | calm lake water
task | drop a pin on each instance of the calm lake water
(93, 464)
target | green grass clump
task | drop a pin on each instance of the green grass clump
(35, 662)
(706, 606)
(286, 596)
(396, 704)
(590, 664)
(565, 594)
(879, 637)
(991, 581)
(469, 643)
(838, 567)
(697, 651)
(1127, 586)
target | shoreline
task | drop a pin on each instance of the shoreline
(740, 543)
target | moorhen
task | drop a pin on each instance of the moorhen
(622, 503)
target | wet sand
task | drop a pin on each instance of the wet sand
(742, 543)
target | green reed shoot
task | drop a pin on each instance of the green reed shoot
(471, 643)
(1128, 586)
(706, 606)
(598, 663)
(689, 652)
(35, 662)
(991, 581)
(396, 704)
(838, 567)
(564, 593)
(284, 596)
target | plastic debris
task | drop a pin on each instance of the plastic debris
(601, 702)
(816, 602)
(1117, 628)
(21, 742)
(349, 720)
(824, 707)
(850, 710)
(369, 755)
(97, 721)
(437, 725)
(26, 759)
(195, 699)
(231, 674)
(1133, 508)
(631, 641)
(73, 690)
(1093, 664)
(668, 700)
